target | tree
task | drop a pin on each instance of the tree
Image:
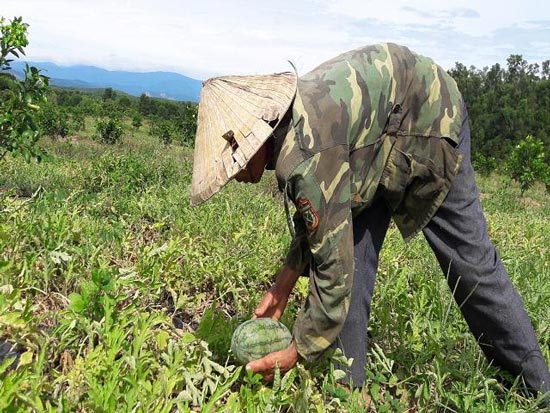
(517, 67)
(468, 80)
(20, 101)
(545, 71)
(526, 164)
(109, 94)
(90, 106)
(137, 121)
(124, 102)
(53, 121)
(162, 129)
(78, 120)
(505, 104)
(188, 123)
(110, 130)
(146, 105)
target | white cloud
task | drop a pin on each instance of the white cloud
(212, 37)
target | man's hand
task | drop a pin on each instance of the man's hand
(274, 302)
(272, 305)
(285, 359)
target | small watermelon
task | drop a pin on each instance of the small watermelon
(254, 339)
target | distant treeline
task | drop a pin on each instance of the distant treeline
(506, 104)
(100, 102)
(169, 120)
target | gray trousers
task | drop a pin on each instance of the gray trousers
(481, 286)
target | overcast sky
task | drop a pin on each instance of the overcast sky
(204, 38)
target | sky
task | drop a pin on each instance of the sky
(205, 38)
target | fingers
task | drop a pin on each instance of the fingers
(263, 309)
(258, 366)
(285, 359)
(260, 310)
(265, 366)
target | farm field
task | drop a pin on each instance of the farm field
(123, 298)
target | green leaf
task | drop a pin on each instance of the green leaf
(162, 339)
(338, 374)
(77, 303)
(187, 338)
(25, 359)
(101, 277)
(12, 320)
(375, 391)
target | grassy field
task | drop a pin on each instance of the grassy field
(123, 298)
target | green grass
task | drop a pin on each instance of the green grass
(123, 298)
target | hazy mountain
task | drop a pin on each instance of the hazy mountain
(156, 84)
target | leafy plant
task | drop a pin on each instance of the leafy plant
(110, 130)
(19, 103)
(123, 301)
(137, 121)
(162, 129)
(53, 122)
(127, 173)
(216, 329)
(484, 165)
(187, 124)
(78, 120)
(526, 163)
(21, 383)
(95, 295)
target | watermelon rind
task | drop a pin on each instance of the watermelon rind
(254, 339)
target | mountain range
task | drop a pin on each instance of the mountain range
(168, 85)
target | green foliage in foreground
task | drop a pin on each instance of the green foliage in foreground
(120, 297)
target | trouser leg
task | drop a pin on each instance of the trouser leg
(482, 288)
(369, 230)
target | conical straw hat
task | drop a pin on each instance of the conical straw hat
(240, 109)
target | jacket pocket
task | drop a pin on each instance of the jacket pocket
(417, 178)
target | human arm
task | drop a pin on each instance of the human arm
(273, 305)
(321, 191)
(297, 261)
(274, 301)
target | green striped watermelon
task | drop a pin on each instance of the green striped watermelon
(254, 339)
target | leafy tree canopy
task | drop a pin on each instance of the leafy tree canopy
(20, 100)
(505, 105)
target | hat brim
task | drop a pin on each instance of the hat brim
(244, 110)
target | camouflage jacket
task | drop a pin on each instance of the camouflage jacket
(376, 120)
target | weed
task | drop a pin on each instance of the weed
(118, 296)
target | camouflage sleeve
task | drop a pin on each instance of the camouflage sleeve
(299, 256)
(320, 189)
